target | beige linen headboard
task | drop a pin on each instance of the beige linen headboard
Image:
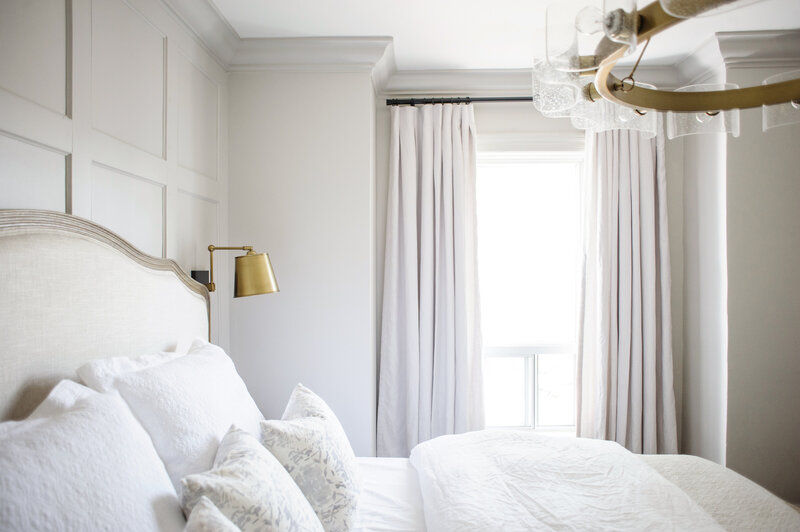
(72, 291)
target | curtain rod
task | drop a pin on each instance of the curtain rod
(423, 101)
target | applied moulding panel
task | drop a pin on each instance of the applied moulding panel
(198, 119)
(31, 176)
(131, 206)
(39, 27)
(128, 76)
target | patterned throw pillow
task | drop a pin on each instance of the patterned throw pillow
(305, 403)
(250, 487)
(207, 518)
(314, 449)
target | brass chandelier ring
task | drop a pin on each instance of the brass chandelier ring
(654, 20)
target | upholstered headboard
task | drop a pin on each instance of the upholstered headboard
(72, 291)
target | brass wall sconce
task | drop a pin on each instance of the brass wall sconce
(253, 274)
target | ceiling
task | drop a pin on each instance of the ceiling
(470, 34)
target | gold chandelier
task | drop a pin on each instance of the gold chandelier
(584, 44)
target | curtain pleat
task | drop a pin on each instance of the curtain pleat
(430, 373)
(625, 388)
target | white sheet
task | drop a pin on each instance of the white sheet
(514, 480)
(390, 497)
(733, 501)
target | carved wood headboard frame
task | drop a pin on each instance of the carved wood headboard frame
(72, 291)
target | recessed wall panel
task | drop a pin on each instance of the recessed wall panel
(33, 51)
(127, 76)
(197, 228)
(31, 177)
(198, 111)
(131, 206)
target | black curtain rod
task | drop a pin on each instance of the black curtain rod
(423, 101)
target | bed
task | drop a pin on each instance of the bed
(75, 295)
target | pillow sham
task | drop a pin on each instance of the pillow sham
(250, 487)
(187, 404)
(321, 464)
(100, 374)
(83, 448)
(206, 517)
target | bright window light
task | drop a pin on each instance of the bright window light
(528, 260)
(505, 379)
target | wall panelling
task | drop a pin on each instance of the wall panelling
(111, 110)
(128, 86)
(33, 51)
(130, 204)
(31, 176)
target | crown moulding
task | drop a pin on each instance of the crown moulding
(209, 26)
(779, 49)
(741, 49)
(311, 53)
(757, 49)
(315, 54)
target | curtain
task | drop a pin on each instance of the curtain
(430, 362)
(625, 388)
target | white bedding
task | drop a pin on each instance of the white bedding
(513, 480)
(736, 503)
(390, 498)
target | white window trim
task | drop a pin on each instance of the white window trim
(532, 142)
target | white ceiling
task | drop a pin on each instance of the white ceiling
(470, 34)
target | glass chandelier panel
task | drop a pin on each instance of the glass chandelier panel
(781, 114)
(573, 31)
(554, 92)
(603, 115)
(679, 124)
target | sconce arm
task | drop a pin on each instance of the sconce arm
(211, 249)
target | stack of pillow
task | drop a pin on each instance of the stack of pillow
(157, 437)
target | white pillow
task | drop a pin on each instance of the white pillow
(83, 463)
(100, 374)
(187, 404)
(206, 517)
(250, 487)
(322, 465)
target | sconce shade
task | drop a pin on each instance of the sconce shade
(253, 275)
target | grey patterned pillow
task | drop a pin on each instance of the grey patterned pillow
(305, 403)
(250, 487)
(206, 517)
(315, 451)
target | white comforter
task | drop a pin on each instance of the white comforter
(512, 480)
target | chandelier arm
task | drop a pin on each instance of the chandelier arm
(654, 20)
(725, 100)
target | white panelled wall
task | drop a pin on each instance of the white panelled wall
(112, 110)
(115, 110)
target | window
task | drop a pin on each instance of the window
(528, 257)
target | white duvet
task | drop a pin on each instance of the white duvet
(513, 480)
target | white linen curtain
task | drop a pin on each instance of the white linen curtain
(625, 388)
(430, 364)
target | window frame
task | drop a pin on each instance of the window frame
(530, 353)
